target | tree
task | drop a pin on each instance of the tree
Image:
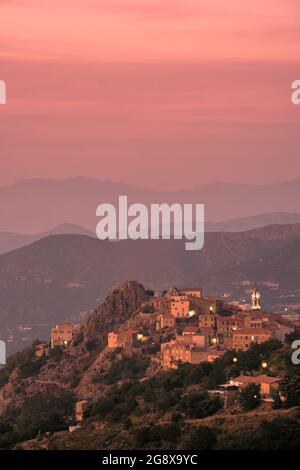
(199, 405)
(249, 397)
(282, 433)
(277, 402)
(290, 387)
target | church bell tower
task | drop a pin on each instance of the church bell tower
(256, 300)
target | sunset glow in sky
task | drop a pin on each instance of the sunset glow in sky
(160, 93)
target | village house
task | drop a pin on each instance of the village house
(208, 325)
(162, 304)
(226, 326)
(173, 354)
(268, 385)
(165, 320)
(121, 339)
(208, 321)
(211, 305)
(191, 292)
(180, 306)
(190, 330)
(189, 348)
(62, 335)
(208, 305)
(255, 321)
(196, 339)
(243, 338)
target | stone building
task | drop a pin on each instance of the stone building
(62, 335)
(121, 339)
(243, 338)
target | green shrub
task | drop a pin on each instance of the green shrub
(199, 405)
(249, 397)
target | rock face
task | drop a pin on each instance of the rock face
(82, 359)
(117, 308)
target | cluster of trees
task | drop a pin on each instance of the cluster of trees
(125, 368)
(168, 390)
(250, 397)
(277, 434)
(39, 413)
(281, 433)
(165, 392)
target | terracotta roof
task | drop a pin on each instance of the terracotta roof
(63, 324)
(207, 329)
(227, 318)
(191, 289)
(285, 322)
(252, 331)
(190, 328)
(247, 379)
(166, 315)
(125, 332)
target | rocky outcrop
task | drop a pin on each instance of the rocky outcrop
(117, 308)
(76, 369)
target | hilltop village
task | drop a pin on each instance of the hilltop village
(188, 327)
(183, 326)
(178, 360)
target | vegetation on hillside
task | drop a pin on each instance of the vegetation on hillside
(170, 409)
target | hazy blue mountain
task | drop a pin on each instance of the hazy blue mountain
(12, 241)
(34, 206)
(249, 223)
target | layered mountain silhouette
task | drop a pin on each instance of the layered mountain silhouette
(243, 224)
(12, 241)
(34, 206)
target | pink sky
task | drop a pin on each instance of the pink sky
(168, 93)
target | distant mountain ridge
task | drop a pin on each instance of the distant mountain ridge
(12, 241)
(244, 224)
(32, 206)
